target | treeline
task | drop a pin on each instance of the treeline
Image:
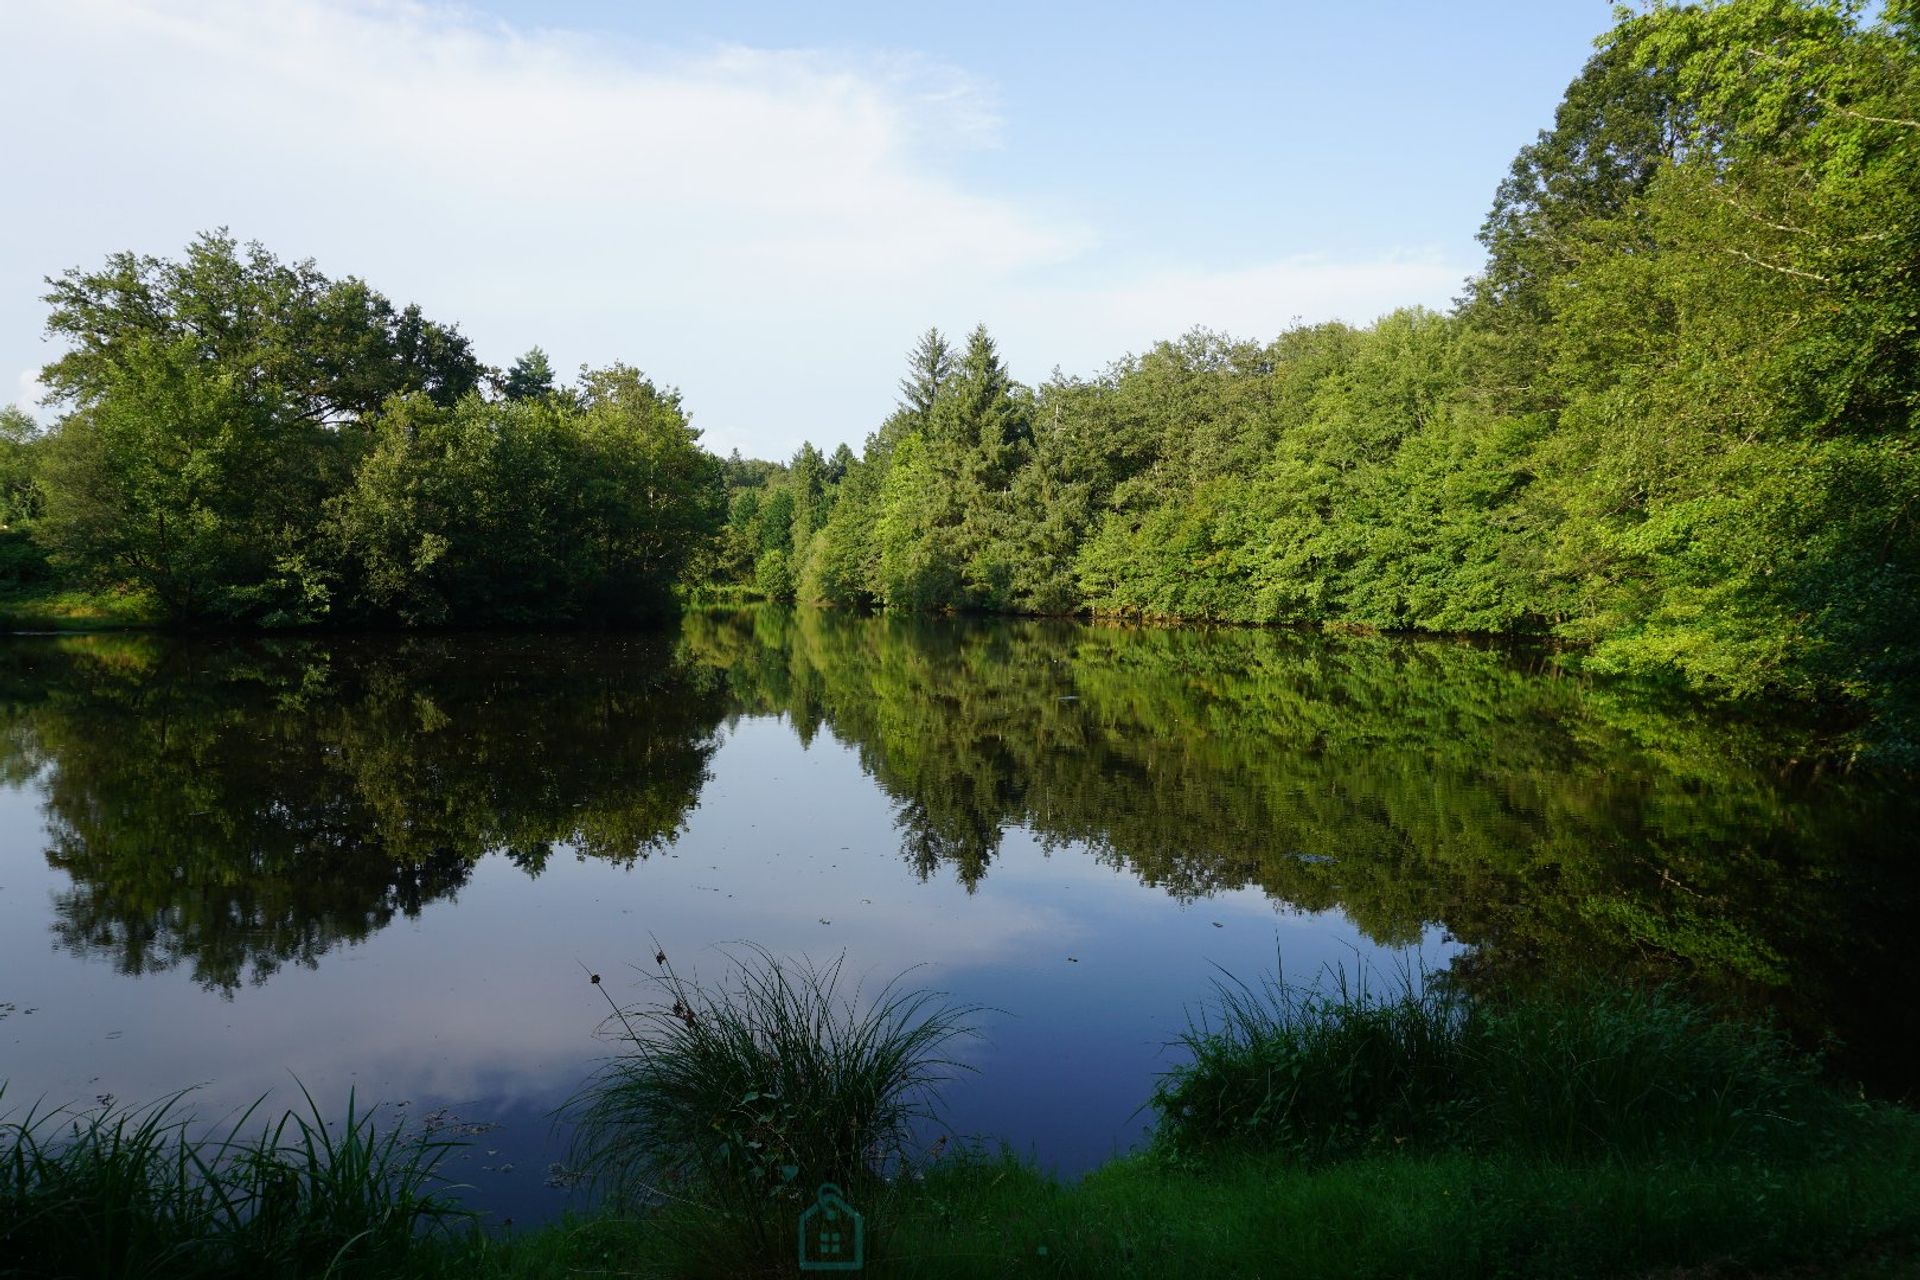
(1673, 418)
(249, 441)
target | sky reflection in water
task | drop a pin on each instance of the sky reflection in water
(388, 865)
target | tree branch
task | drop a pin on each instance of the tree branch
(1772, 266)
(1861, 115)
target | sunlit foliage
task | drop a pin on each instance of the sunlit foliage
(1673, 419)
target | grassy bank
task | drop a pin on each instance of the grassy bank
(1439, 1216)
(56, 607)
(1595, 1133)
(703, 595)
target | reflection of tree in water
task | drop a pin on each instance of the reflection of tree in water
(236, 807)
(1552, 826)
(958, 837)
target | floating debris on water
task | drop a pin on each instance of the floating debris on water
(561, 1178)
(445, 1121)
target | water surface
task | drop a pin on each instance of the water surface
(390, 863)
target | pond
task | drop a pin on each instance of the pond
(389, 863)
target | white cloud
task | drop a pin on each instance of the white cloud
(768, 229)
(1092, 326)
(27, 391)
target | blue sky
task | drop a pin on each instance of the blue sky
(763, 203)
(1211, 132)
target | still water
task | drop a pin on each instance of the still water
(388, 864)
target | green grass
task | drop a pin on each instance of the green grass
(1439, 1215)
(143, 1193)
(1447, 1216)
(1315, 1074)
(55, 607)
(704, 594)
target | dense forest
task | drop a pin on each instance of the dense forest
(1671, 422)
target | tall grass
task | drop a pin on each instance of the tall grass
(737, 1101)
(1609, 1071)
(1596, 1073)
(126, 1192)
(1316, 1073)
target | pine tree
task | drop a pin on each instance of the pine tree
(995, 421)
(807, 476)
(530, 377)
(929, 366)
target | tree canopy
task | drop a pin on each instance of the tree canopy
(249, 440)
(1672, 420)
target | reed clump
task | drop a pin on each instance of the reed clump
(731, 1104)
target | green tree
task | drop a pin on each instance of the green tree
(1734, 457)
(326, 351)
(560, 508)
(22, 447)
(179, 475)
(773, 575)
(1619, 121)
(929, 365)
(206, 402)
(808, 481)
(840, 463)
(651, 495)
(530, 376)
(917, 565)
(19, 492)
(844, 567)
